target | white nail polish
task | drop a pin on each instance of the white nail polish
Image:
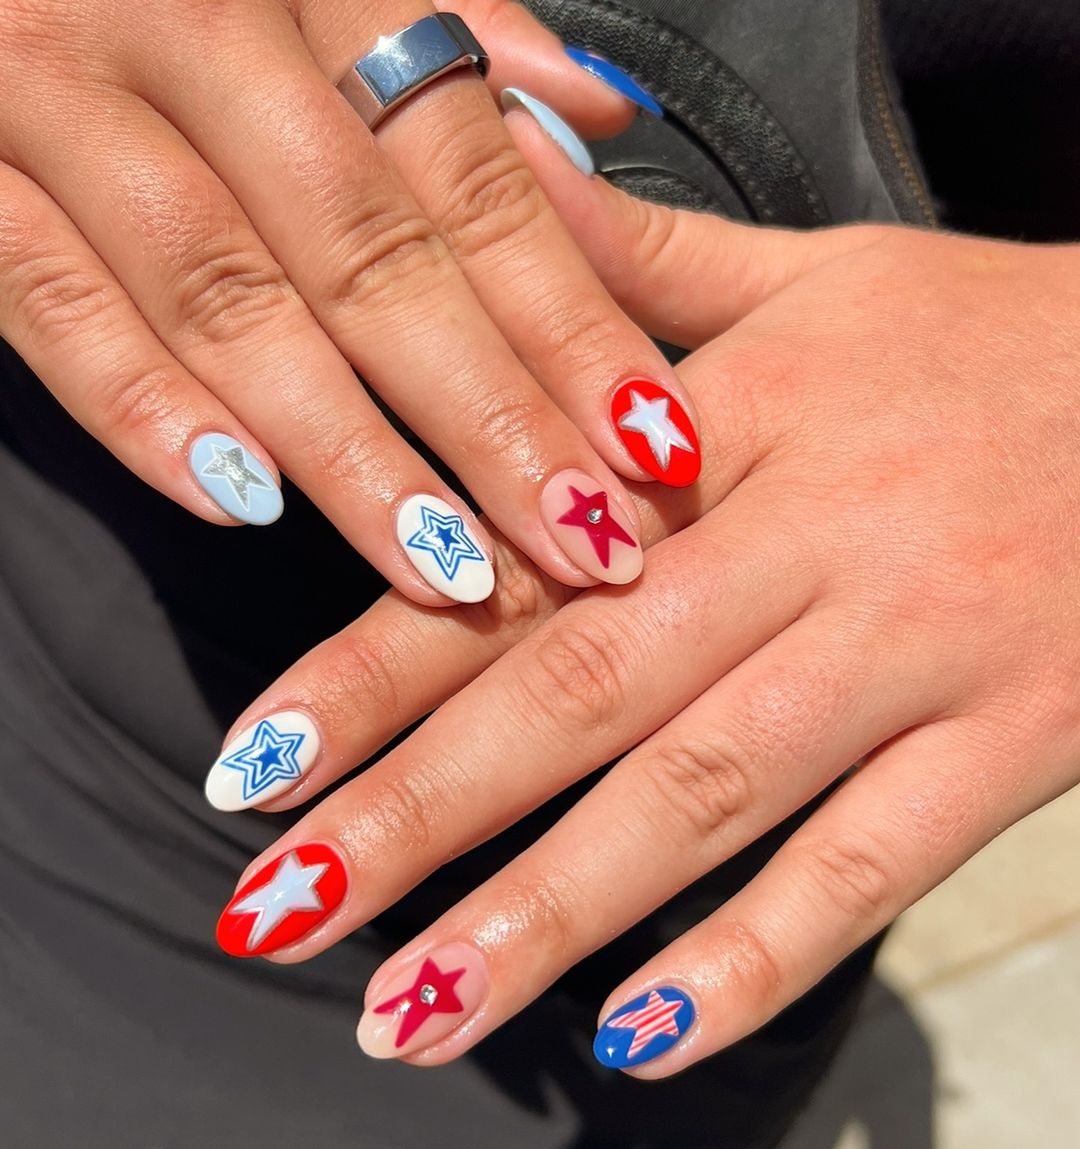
(555, 127)
(445, 552)
(263, 761)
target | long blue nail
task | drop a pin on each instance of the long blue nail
(644, 1028)
(554, 125)
(239, 484)
(615, 78)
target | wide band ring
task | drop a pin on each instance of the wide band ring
(400, 65)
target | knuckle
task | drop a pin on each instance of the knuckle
(402, 809)
(749, 962)
(345, 452)
(362, 680)
(579, 676)
(495, 200)
(224, 295)
(854, 880)
(379, 255)
(519, 601)
(51, 299)
(504, 419)
(540, 903)
(705, 783)
(135, 406)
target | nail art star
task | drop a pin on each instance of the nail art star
(229, 463)
(445, 537)
(590, 512)
(432, 992)
(291, 889)
(650, 418)
(655, 1017)
(268, 757)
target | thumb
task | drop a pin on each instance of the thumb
(683, 276)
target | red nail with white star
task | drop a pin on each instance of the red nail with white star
(283, 901)
(591, 528)
(657, 432)
(425, 1003)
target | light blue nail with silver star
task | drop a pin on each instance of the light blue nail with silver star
(444, 550)
(555, 127)
(263, 761)
(239, 484)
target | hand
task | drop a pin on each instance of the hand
(200, 241)
(881, 568)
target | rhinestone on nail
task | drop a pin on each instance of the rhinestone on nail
(428, 994)
(595, 515)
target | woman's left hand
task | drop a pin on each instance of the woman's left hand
(882, 566)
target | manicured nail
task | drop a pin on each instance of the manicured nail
(239, 484)
(424, 1004)
(553, 124)
(444, 550)
(657, 432)
(263, 761)
(590, 528)
(615, 78)
(284, 901)
(644, 1028)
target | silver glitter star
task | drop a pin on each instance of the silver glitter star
(649, 417)
(291, 888)
(229, 463)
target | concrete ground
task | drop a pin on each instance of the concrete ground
(970, 1036)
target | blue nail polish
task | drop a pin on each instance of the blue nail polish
(554, 125)
(239, 484)
(616, 78)
(644, 1028)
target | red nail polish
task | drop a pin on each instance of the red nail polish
(284, 901)
(657, 432)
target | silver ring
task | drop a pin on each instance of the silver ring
(402, 64)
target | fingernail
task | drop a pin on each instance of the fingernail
(644, 1028)
(615, 78)
(239, 484)
(428, 1001)
(284, 901)
(263, 761)
(553, 124)
(657, 432)
(590, 528)
(444, 551)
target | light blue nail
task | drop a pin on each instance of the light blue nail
(616, 78)
(556, 127)
(239, 484)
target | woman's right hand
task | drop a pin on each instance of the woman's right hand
(200, 241)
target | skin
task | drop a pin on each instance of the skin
(879, 566)
(197, 233)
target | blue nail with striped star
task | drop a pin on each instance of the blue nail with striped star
(643, 1029)
(239, 484)
(615, 78)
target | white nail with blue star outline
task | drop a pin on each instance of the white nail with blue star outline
(444, 550)
(239, 484)
(263, 761)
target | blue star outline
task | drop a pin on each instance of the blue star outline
(268, 757)
(445, 537)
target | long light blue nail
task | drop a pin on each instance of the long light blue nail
(616, 78)
(239, 484)
(556, 127)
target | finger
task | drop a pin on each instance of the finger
(349, 696)
(747, 753)
(563, 702)
(216, 297)
(589, 92)
(683, 276)
(63, 311)
(908, 819)
(374, 271)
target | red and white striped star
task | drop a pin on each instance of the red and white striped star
(655, 1017)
